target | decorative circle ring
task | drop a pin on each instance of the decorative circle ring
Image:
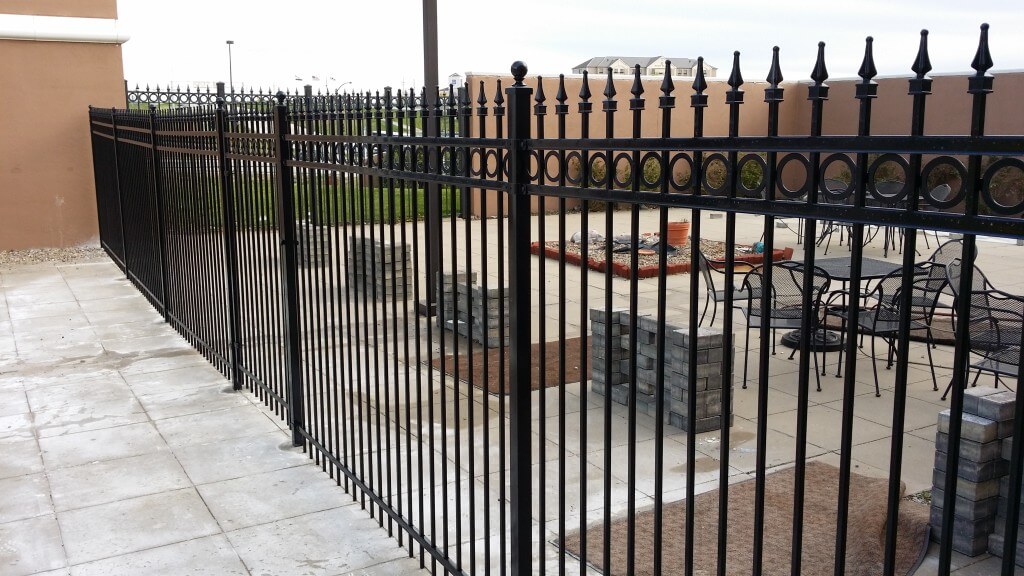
(986, 187)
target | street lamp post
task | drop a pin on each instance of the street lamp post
(231, 72)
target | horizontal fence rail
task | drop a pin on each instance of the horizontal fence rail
(409, 305)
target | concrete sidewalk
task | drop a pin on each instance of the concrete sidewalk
(122, 451)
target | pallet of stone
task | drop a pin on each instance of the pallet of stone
(378, 266)
(313, 243)
(465, 309)
(986, 420)
(1003, 405)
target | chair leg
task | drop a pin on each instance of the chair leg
(714, 312)
(975, 381)
(874, 366)
(746, 357)
(842, 348)
(931, 363)
(817, 377)
(824, 349)
(705, 312)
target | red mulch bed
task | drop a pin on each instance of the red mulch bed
(624, 270)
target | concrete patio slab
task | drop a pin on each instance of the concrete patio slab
(126, 453)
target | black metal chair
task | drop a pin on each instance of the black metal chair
(996, 319)
(709, 269)
(880, 312)
(787, 302)
(934, 290)
(939, 193)
(830, 227)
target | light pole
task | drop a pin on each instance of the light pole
(340, 86)
(231, 72)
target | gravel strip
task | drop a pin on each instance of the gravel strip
(12, 258)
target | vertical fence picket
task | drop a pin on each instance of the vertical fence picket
(666, 102)
(979, 86)
(919, 89)
(733, 99)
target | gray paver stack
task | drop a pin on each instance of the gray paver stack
(1007, 403)
(476, 316)
(375, 264)
(314, 243)
(708, 360)
(987, 421)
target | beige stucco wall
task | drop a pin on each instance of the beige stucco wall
(948, 108)
(79, 8)
(47, 196)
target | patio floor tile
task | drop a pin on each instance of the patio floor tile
(137, 524)
(209, 556)
(112, 480)
(31, 546)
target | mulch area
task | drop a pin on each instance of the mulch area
(865, 543)
(676, 263)
(552, 369)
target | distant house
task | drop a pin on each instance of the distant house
(649, 66)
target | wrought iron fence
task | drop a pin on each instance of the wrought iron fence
(175, 97)
(284, 240)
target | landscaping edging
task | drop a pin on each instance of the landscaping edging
(623, 270)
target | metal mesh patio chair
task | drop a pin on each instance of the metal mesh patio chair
(879, 316)
(939, 193)
(830, 227)
(709, 269)
(995, 323)
(787, 302)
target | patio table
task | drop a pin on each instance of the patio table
(838, 268)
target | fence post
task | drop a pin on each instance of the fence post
(519, 100)
(161, 226)
(230, 248)
(289, 271)
(117, 189)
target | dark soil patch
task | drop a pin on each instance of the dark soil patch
(492, 357)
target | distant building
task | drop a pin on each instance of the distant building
(649, 66)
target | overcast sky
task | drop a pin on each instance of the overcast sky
(377, 43)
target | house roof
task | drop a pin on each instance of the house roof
(631, 61)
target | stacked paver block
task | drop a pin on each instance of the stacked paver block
(479, 314)
(987, 420)
(314, 243)
(707, 386)
(375, 264)
(996, 540)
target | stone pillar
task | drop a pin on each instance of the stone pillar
(707, 387)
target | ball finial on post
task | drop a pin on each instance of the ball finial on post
(518, 72)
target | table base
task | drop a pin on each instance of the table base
(821, 340)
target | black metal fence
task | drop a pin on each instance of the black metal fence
(285, 241)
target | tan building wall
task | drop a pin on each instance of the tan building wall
(948, 109)
(47, 196)
(78, 8)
